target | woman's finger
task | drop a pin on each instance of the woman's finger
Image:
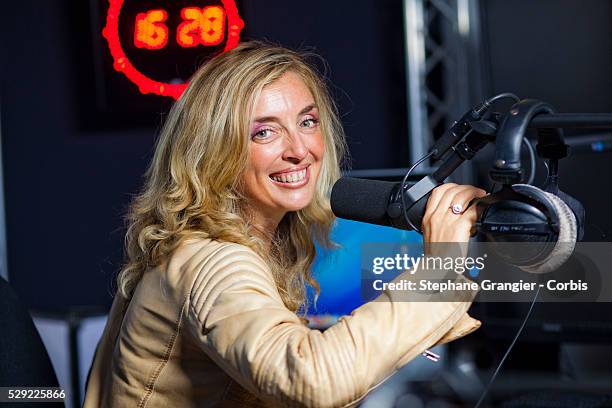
(469, 218)
(464, 198)
(449, 198)
(440, 224)
(435, 197)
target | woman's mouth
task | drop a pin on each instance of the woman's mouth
(292, 179)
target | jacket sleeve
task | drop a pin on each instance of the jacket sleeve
(238, 317)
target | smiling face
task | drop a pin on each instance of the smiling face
(285, 150)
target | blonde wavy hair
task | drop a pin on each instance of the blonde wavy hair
(192, 186)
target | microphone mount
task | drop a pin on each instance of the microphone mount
(476, 129)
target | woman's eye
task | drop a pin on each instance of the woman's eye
(262, 134)
(310, 122)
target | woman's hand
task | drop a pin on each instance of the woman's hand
(440, 223)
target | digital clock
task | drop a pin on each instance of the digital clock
(157, 44)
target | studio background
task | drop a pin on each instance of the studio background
(70, 169)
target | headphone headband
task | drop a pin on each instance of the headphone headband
(551, 145)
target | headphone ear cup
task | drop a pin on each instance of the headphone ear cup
(565, 242)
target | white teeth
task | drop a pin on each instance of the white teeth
(290, 177)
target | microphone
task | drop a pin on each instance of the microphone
(378, 202)
(548, 219)
(362, 200)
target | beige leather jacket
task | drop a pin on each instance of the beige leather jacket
(208, 328)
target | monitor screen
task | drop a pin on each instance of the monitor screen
(338, 271)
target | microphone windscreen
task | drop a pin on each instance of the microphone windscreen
(566, 242)
(362, 200)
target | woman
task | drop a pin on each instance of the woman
(220, 245)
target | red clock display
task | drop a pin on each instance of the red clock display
(162, 30)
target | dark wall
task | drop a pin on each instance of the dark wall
(362, 40)
(66, 188)
(559, 51)
(556, 50)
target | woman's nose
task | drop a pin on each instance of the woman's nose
(295, 148)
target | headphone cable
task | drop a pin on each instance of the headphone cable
(503, 360)
(503, 96)
(403, 186)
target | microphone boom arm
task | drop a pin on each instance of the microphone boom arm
(417, 195)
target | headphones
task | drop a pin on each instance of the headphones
(547, 217)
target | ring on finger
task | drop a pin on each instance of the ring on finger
(456, 208)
